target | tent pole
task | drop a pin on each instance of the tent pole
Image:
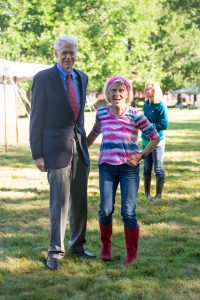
(16, 111)
(5, 112)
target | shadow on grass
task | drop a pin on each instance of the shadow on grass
(163, 211)
(16, 157)
(180, 142)
(164, 255)
(183, 146)
(192, 125)
(162, 252)
(27, 199)
(168, 250)
(181, 211)
(187, 167)
(22, 216)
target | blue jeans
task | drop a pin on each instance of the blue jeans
(155, 159)
(109, 178)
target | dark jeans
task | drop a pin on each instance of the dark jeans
(155, 159)
(109, 178)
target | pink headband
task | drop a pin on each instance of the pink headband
(118, 79)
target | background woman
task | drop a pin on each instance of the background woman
(119, 162)
(156, 112)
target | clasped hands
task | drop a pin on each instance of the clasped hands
(134, 159)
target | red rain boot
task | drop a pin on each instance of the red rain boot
(131, 237)
(106, 232)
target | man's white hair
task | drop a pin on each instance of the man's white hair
(67, 39)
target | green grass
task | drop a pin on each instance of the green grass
(168, 265)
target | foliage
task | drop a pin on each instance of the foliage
(180, 57)
(138, 39)
(189, 7)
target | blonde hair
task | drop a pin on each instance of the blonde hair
(158, 94)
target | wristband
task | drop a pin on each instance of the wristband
(143, 155)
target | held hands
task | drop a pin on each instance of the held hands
(40, 164)
(134, 159)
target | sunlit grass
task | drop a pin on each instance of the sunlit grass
(168, 258)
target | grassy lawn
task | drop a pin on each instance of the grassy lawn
(168, 265)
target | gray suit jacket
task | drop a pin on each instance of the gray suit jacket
(52, 124)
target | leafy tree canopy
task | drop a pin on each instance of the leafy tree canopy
(139, 39)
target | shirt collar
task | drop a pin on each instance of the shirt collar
(63, 72)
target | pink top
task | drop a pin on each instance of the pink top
(120, 134)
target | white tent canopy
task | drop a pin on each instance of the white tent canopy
(19, 70)
(12, 72)
(11, 93)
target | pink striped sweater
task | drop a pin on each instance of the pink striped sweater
(120, 134)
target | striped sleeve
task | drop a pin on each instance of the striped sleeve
(145, 126)
(97, 125)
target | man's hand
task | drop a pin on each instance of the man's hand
(134, 159)
(40, 164)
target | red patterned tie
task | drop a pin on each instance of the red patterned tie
(72, 96)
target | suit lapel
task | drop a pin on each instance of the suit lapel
(57, 85)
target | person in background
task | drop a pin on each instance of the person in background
(58, 144)
(156, 112)
(119, 162)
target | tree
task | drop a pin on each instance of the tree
(139, 39)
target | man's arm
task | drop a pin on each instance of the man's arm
(37, 118)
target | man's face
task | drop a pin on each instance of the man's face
(66, 56)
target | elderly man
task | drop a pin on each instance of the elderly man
(59, 146)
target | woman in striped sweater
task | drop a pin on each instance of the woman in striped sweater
(119, 162)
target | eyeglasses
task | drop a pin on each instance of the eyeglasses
(66, 53)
